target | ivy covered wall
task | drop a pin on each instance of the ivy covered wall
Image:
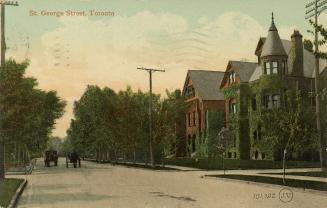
(206, 142)
(238, 122)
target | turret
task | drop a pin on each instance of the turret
(273, 56)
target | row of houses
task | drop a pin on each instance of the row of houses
(236, 97)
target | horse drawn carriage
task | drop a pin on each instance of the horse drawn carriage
(50, 156)
(74, 159)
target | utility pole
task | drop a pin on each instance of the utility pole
(150, 110)
(314, 9)
(3, 61)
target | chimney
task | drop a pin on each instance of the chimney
(297, 54)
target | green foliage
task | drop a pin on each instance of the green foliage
(118, 123)
(231, 92)
(270, 83)
(291, 127)
(28, 114)
(216, 121)
(323, 33)
(308, 45)
(8, 189)
(231, 164)
(55, 143)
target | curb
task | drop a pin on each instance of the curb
(303, 190)
(17, 195)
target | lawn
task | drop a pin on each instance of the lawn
(137, 165)
(305, 184)
(320, 174)
(8, 188)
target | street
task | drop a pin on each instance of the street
(103, 185)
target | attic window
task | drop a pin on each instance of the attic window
(190, 92)
(232, 77)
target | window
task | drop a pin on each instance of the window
(255, 135)
(263, 156)
(254, 103)
(232, 77)
(232, 106)
(235, 155)
(189, 119)
(194, 118)
(190, 92)
(267, 101)
(276, 101)
(267, 68)
(200, 120)
(205, 120)
(229, 155)
(283, 68)
(259, 132)
(234, 142)
(193, 144)
(274, 67)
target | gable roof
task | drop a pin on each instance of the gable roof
(243, 69)
(206, 84)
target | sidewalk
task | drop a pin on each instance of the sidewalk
(260, 172)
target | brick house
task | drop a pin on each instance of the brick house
(201, 89)
(250, 89)
(235, 81)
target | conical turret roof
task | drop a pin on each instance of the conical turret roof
(273, 45)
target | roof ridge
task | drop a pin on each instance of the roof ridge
(250, 62)
(203, 70)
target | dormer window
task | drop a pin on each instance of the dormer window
(274, 67)
(267, 68)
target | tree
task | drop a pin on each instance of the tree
(224, 140)
(319, 29)
(170, 111)
(307, 44)
(290, 128)
(92, 129)
(55, 143)
(106, 122)
(27, 114)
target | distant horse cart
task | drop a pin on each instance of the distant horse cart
(50, 156)
(74, 159)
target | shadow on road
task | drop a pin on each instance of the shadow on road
(52, 198)
(184, 198)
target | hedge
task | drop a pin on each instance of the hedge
(232, 164)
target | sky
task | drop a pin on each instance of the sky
(67, 53)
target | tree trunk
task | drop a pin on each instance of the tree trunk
(2, 161)
(134, 156)
(116, 156)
